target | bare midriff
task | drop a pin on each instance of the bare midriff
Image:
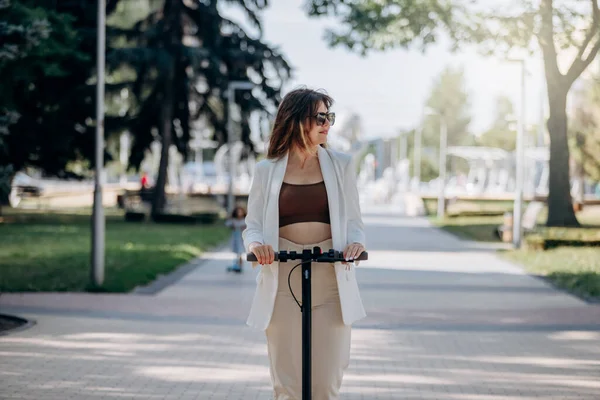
(304, 212)
(306, 232)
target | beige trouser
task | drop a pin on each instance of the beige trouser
(330, 337)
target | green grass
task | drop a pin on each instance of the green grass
(472, 228)
(51, 251)
(481, 228)
(462, 219)
(574, 269)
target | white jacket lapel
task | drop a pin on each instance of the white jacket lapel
(331, 183)
(271, 217)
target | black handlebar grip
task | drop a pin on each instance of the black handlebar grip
(363, 256)
(252, 257)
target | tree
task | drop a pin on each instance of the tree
(549, 24)
(501, 134)
(584, 132)
(50, 88)
(449, 100)
(591, 147)
(184, 54)
(40, 56)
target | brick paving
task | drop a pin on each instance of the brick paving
(447, 320)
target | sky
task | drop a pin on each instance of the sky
(389, 89)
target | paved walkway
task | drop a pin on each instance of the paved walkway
(447, 320)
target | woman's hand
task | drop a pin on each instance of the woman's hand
(352, 251)
(264, 252)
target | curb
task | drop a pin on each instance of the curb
(592, 301)
(24, 324)
(546, 280)
(163, 281)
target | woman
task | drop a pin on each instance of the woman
(305, 195)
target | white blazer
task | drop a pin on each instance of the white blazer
(262, 223)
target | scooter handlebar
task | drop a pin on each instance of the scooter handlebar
(330, 256)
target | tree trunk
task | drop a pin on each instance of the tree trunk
(7, 175)
(172, 33)
(560, 204)
(159, 198)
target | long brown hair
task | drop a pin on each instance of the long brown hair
(290, 127)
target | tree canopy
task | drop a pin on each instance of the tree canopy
(203, 51)
(501, 133)
(44, 66)
(183, 56)
(168, 67)
(448, 99)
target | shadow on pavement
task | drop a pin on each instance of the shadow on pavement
(110, 359)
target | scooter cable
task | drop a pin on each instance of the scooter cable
(289, 280)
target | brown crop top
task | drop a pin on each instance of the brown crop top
(303, 203)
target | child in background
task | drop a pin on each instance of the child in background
(237, 223)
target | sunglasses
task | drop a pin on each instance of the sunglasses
(322, 117)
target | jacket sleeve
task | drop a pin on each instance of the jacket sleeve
(355, 227)
(254, 215)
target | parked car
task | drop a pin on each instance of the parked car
(23, 186)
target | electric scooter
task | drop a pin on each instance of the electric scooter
(307, 257)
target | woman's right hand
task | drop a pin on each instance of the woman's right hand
(264, 253)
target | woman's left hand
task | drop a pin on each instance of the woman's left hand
(352, 251)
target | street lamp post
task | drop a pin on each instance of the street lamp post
(98, 224)
(417, 152)
(520, 164)
(418, 144)
(231, 88)
(441, 203)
